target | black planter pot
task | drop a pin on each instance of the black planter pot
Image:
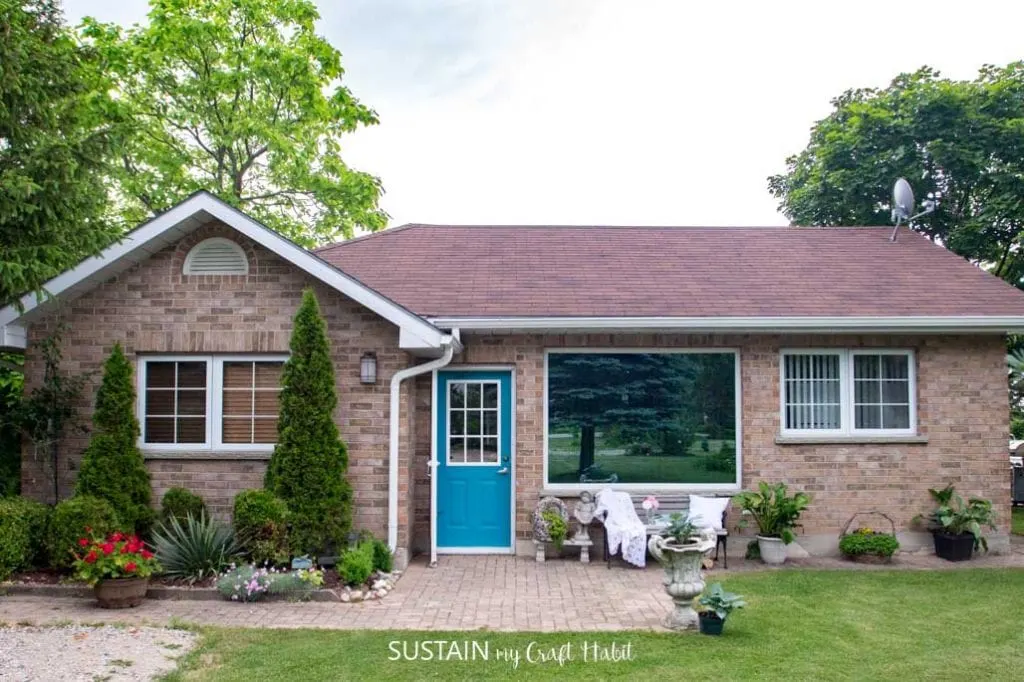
(710, 624)
(954, 547)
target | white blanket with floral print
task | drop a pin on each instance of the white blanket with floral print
(622, 526)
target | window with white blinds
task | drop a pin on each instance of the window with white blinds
(866, 392)
(813, 392)
(197, 403)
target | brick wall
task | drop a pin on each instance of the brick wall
(962, 410)
(154, 308)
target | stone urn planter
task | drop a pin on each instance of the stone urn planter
(683, 578)
(773, 550)
(120, 593)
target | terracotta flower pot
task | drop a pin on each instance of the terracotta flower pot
(121, 593)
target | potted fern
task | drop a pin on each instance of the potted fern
(776, 514)
(956, 525)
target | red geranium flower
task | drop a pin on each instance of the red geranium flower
(117, 537)
(126, 548)
(146, 554)
(90, 558)
(130, 567)
(83, 542)
(107, 548)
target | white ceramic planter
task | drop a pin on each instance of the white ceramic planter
(773, 550)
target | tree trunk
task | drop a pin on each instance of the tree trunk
(586, 447)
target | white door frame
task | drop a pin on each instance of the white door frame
(432, 464)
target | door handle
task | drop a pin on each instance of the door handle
(503, 470)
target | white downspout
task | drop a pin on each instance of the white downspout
(401, 375)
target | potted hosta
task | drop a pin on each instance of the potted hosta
(716, 605)
(118, 567)
(776, 514)
(956, 525)
(680, 552)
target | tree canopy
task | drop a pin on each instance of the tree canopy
(55, 132)
(244, 99)
(960, 138)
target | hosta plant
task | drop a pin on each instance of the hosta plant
(680, 529)
(196, 548)
(113, 556)
(719, 602)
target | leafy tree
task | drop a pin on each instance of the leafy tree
(242, 98)
(960, 138)
(307, 469)
(112, 467)
(52, 148)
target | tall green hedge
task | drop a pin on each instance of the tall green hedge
(307, 469)
(112, 467)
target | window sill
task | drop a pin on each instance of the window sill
(206, 455)
(850, 440)
(636, 489)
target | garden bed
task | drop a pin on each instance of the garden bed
(47, 583)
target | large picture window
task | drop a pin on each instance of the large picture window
(848, 392)
(648, 419)
(209, 402)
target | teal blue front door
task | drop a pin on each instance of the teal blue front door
(474, 461)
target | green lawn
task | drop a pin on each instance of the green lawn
(1017, 521)
(800, 625)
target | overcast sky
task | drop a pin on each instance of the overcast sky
(616, 111)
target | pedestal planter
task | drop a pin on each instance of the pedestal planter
(121, 593)
(773, 550)
(683, 578)
(710, 624)
(954, 547)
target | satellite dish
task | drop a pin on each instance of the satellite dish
(903, 205)
(902, 201)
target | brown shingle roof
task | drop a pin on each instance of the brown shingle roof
(478, 271)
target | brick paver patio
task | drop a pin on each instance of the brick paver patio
(462, 593)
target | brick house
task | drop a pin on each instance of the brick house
(481, 367)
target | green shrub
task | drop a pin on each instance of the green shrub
(178, 503)
(112, 466)
(260, 520)
(19, 538)
(196, 548)
(865, 541)
(307, 469)
(38, 516)
(383, 561)
(69, 522)
(356, 565)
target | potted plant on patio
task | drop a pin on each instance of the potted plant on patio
(717, 605)
(776, 514)
(118, 567)
(956, 525)
(680, 552)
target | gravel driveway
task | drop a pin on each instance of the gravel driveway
(87, 653)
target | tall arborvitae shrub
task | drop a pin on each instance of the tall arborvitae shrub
(307, 469)
(112, 467)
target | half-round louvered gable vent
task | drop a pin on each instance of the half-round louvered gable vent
(216, 256)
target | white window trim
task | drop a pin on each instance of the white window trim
(846, 393)
(556, 488)
(448, 413)
(214, 404)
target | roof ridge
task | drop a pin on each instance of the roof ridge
(364, 237)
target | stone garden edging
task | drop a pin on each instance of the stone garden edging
(379, 589)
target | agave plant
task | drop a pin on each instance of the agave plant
(195, 549)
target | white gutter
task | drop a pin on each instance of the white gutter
(918, 323)
(449, 343)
